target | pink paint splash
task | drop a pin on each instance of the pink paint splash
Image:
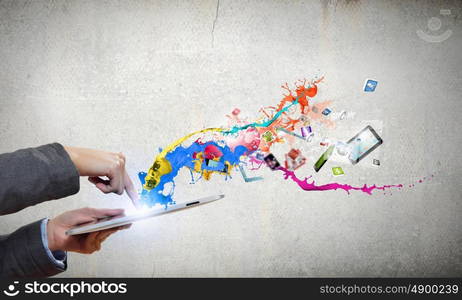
(422, 180)
(253, 160)
(305, 185)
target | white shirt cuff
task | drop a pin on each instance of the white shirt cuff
(57, 257)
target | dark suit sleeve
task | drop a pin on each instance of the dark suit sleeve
(31, 176)
(22, 254)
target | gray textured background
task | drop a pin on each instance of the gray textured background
(131, 76)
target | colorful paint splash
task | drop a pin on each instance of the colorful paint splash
(242, 144)
(307, 186)
(203, 158)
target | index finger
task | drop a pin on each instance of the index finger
(131, 191)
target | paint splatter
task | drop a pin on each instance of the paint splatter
(195, 158)
(307, 186)
(241, 144)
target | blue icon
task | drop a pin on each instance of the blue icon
(212, 163)
(260, 156)
(326, 111)
(370, 85)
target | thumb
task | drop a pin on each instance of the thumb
(105, 212)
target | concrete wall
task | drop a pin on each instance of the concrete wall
(133, 76)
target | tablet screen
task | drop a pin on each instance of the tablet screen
(363, 143)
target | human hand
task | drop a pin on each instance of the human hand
(97, 164)
(86, 243)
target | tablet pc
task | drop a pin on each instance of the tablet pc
(117, 221)
(363, 143)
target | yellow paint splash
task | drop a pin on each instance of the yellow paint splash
(161, 166)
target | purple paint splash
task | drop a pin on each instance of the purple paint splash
(305, 185)
(253, 160)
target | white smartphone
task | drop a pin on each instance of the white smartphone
(121, 220)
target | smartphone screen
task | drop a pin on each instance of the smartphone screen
(324, 157)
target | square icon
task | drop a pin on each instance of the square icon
(370, 85)
(326, 111)
(259, 156)
(376, 162)
(306, 131)
(268, 136)
(272, 162)
(337, 171)
(294, 160)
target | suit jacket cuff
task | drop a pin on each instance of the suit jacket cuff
(28, 256)
(64, 176)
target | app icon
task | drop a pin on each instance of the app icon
(337, 171)
(294, 160)
(326, 112)
(272, 162)
(370, 85)
(268, 136)
(306, 131)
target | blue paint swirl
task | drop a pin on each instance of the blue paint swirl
(183, 157)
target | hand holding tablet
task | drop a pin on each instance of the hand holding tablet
(121, 220)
